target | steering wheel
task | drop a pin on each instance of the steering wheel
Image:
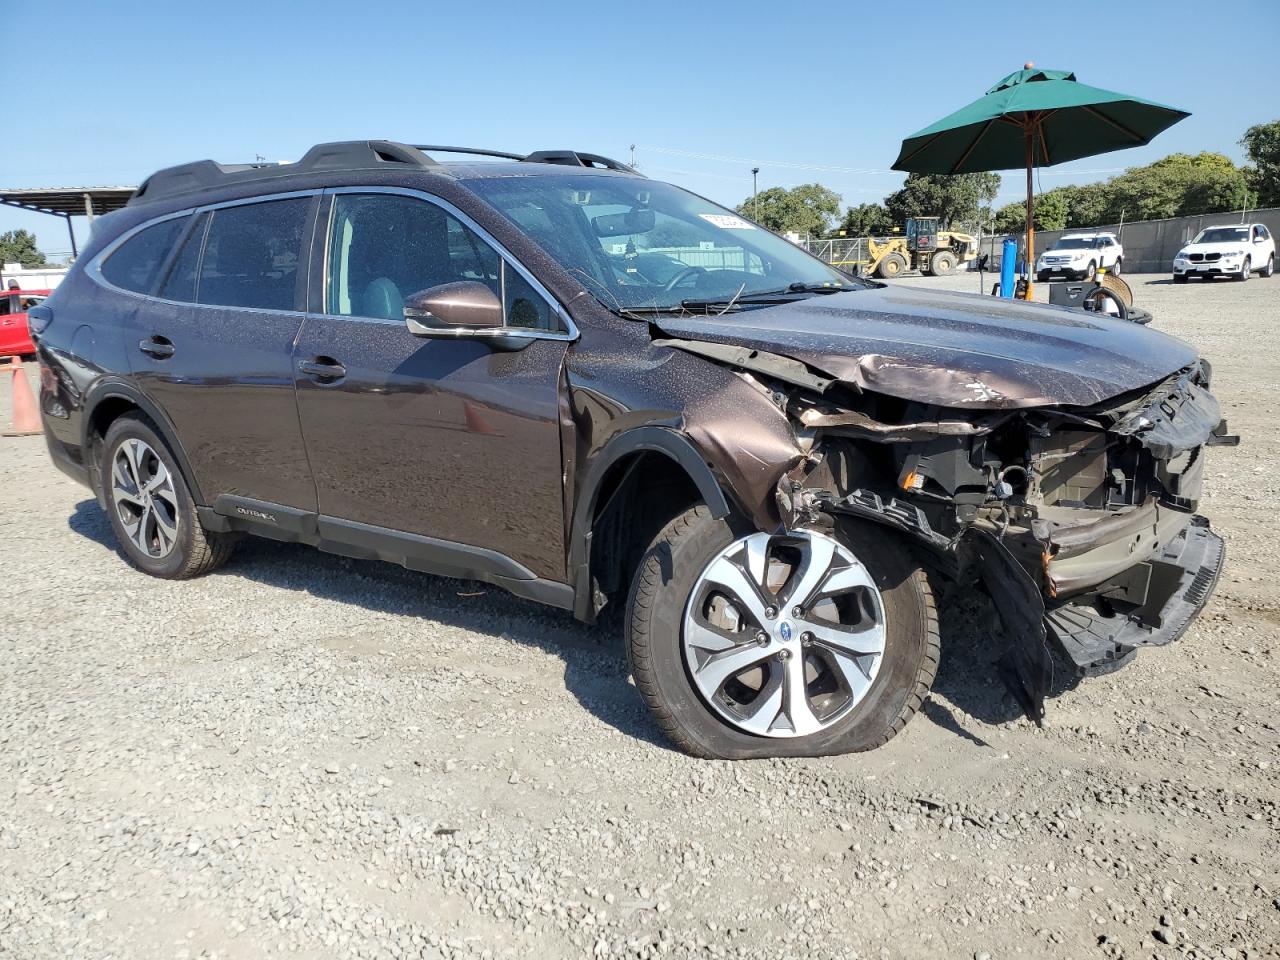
(682, 275)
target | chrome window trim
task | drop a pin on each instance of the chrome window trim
(94, 269)
(569, 333)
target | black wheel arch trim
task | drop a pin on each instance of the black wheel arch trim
(110, 388)
(649, 438)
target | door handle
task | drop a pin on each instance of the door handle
(322, 368)
(161, 348)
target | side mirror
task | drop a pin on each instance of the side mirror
(452, 309)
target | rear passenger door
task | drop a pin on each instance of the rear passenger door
(213, 348)
(442, 438)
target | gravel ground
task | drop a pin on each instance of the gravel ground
(318, 757)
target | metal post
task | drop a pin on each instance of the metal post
(755, 202)
(72, 233)
(88, 207)
(1029, 262)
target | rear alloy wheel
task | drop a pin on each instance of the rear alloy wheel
(150, 507)
(1115, 267)
(798, 644)
(943, 263)
(893, 265)
(1246, 268)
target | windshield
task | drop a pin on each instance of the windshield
(1075, 243)
(640, 244)
(1222, 235)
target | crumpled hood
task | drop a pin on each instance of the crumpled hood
(952, 349)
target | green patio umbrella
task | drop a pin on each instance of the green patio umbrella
(1034, 118)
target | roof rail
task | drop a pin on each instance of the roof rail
(474, 150)
(345, 155)
(348, 155)
(574, 158)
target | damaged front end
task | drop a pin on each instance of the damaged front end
(1079, 521)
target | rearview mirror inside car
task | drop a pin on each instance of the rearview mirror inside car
(452, 308)
(639, 220)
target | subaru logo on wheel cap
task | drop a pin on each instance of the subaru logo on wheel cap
(784, 630)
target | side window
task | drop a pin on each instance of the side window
(136, 262)
(524, 306)
(386, 247)
(181, 283)
(251, 255)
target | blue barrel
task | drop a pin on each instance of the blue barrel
(1008, 261)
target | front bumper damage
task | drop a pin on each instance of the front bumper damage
(1099, 549)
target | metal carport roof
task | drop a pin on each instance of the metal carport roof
(68, 202)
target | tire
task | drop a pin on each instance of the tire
(943, 263)
(1246, 268)
(1091, 272)
(1270, 269)
(1043, 277)
(177, 547)
(891, 266)
(1179, 278)
(1115, 267)
(660, 606)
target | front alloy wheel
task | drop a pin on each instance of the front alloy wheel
(805, 643)
(783, 636)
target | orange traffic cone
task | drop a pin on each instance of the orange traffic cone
(26, 421)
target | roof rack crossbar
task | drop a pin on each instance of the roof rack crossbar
(576, 158)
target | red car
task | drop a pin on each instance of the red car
(15, 338)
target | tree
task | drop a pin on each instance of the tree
(1090, 205)
(1051, 212)
(808, 209)
(1262, 144)
(1177, 185)
(953, 199)
(19, 246)
(866, 220)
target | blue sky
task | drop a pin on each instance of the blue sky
(704, 90)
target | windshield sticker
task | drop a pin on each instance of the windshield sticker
(726, 221)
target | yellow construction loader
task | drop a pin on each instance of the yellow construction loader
(924, 248)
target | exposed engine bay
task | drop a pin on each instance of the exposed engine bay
(1078, 520)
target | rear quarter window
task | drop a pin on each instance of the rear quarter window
(135, 264)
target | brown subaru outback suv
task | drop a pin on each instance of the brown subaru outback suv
(597, 391)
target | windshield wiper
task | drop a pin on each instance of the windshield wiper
(760, 298)
(765, 297)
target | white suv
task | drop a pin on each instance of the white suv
(1234, 250)
(1079, 256)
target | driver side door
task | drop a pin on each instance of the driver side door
(448, 439)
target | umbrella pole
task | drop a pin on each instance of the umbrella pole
(1031, 228)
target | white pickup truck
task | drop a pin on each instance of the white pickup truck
(1079, 256)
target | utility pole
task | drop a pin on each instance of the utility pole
(633, 155)
(755, 201)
